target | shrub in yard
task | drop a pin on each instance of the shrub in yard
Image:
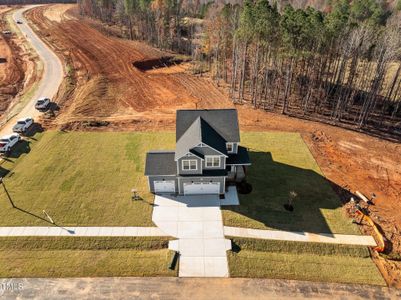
(244, 187)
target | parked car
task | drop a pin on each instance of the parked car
(8, 141)
(22, 125)
(19, 22)
(42, 103)
(6, 32)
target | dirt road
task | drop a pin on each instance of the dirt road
(189, 288)
(52, 76)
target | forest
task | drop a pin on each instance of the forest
(19, 2)
(340, 65)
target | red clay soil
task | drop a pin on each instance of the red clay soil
(108, 87)
(11, 68)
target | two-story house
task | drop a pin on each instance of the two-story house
(207, 155)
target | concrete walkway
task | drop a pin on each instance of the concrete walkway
(362, 240)
(80, 231)
(197, 223)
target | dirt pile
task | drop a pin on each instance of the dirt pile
(320, 137)
(153, 64)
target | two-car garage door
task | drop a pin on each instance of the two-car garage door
(190, 188)
(201, 188)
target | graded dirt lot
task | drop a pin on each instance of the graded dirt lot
(108, 84)
(104, 85)
(11, 71)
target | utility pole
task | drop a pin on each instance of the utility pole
(47, 216)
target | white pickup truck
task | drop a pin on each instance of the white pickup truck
(8, 141)
(23, 124)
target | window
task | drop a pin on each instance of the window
(212, 161)
(230, 147)
(189, 164)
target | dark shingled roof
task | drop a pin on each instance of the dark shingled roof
(199, 132)
(241, 158)
(203, 151)
(160, 163)
(224, 121)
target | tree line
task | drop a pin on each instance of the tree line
(341, 66)
(20, 2)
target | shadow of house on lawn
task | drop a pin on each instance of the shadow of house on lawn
(314, 207)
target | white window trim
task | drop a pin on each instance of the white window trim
(189, 160)
(212, 157)
(232, 147)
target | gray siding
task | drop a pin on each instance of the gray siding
(182, 180)
(208, 151)
(187, 172)
(152, 179)
(222, 164)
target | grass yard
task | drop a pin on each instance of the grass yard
(303, 261)
(85, 256)
(281, 162)
(85, 179)
(80, 179)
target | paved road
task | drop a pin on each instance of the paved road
(186, 288)
(52, 76)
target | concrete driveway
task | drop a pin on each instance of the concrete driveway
(53, 72)
(197, 223)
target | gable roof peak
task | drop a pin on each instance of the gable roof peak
(200, 131)
(223, 121)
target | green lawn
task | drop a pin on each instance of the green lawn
(85, 179)
(80, 179)
(282, 162)
(85, 263)
(84, 256)
(303, 261)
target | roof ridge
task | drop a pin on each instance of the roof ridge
(206, 109)
(200, 127)
(161, 151)
(212, 127)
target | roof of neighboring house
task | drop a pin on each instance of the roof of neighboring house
(198, 132)
(240, 158)
(160, 163)
(223, 121)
